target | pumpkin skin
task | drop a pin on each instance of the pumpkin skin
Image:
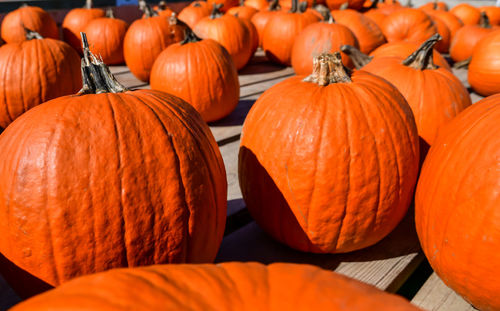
(242, 11)
(318, 38)
(279, 286)
(75, 22)
(254, 35)
(493, 13)
(377, 16)
(367, 32)
(107, 35)
(194, 12)
(260, 19)
(34, 71)
(176, 71)
(443, 46)
(434, 6)
(296, 172)
(257, 4)
(467, 13)
(457, 222)
(33, 18)
(145, 39)
(336, 4)
(484, 67)
(451, 21)
(466, 39)
(410, 25)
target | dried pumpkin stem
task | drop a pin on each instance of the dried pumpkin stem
(484, 22)
(146, 8)
(325, 12)
(274, 5)
(162, 5)
(216, 13)
(358, 58)
(189, 37)
(327, 69)
(96, 76)
(344, 6)
(109, 13)
(302, 6)
(242, 2)
(463, 64)
(295, 6)
(422, 58)
(88, 4)
(31, 34)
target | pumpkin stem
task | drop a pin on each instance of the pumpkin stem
(146, 8)
(302, 6)
(373, 5)
(324, 11)
(162, 6)
(344, 6)
(274, 5)
(109, 13)
(96, 76)
(189, 37)
(327, 69)
(409, 4)
(484, 22)
(422, 58)
(242, 2)
(196, 4)
(295, 6)
(358, 58)
(88, 4)
(463, 64)
(31, 34)
(216, 13)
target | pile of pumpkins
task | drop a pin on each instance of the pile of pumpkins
(94, 176)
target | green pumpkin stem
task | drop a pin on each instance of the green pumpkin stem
(422, 58)
(88, 4)
(146, 8)
(216, 13)
(328, 69)
(31, 34)
(96, 76)
(358, 58)
(484, 22)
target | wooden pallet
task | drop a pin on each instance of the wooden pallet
(387, 265)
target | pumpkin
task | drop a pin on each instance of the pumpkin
(367, 32)
(318, 38)
(254, 286)
(435, 95)
(389, 7)
(351, 4)
(323, 157)
(254, 35)
(410, 25)
(451, 21)
(434, 6)
(195, 11)
(281, 31)
(467, 13)
(106, 35)
(443, 46)
(229, 31)
(377, 16)
(260, 19)
(484, 67)
(456, 205)
(257, 4)
(467, 37)
(34, 71)
(163, 9)
(493, 13)
(31, 17)
(146, 38)
(118, 178)
(224, 5)
(177, 70)
(242, 11)
(286, 5)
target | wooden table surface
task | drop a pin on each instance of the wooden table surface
(387, 265)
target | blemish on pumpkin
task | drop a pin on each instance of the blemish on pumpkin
(27, 252)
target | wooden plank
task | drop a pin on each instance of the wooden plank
(436, 296)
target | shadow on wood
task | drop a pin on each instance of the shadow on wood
(237, 117)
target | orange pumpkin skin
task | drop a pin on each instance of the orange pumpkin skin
(104, 195)
(194, 12)
(75, 22)
(317, 38)
(257, 4)
(33, 18)
(434, 6)
(484, 67)
(226, 4)
(410, 25)
(177, 72)
(254, 286)
(145, 39)
(231, 33)
(259, 20)
(377, 16)
(443, 46)
(254, 35)
(245, 12)
(367, 32)
(336, 4)
(303, 161)
(34, 71)
(457, 222)
(106, 35)
(493, 13)
(451, 21)
(467, 13)
(465, 41)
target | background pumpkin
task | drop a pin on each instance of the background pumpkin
(493, 13)
(484, 67)
(195, 11)
(31, 17)
(257, 4)
(467, 13)
(456, 205)
(303, 162)
(352, 4)
(467, 37)
(451, 21)
(260, 19)
(226, 4)
(410, 25)
(242, 11)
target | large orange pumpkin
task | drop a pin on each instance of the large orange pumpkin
(410, 25)
(194, 12)
(202, 73)
(75, 22)
(457, 204)
(260, 19)
(31, 17)
(327, 164)
(253, 286)
(484, 67)
(117, 178)
(467, 37)
(34, 71)
(467, 13)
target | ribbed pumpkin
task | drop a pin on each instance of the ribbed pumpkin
(202, 73)
(146, 38)
(327, 164)
(457, 204)
(467, 37)
(484, 68)
(260, 19)
(34, 71)
(229, 31)
(389, 7)
(467, 13)
(434, 6)
(493, 13)
(410, 25)
(194, 12)
(377, 16)
(257, 4)
(75, 22)
(242, 11)
(435, 95)
(254, 35)
(224, 5)
(117, 178)
(282, 29)
(369, 35)
(163, 9)
(254, 286)
(443, 46)
(31, 17)
(451, 21)
(351, 4)
(106, 35)
(318, 38)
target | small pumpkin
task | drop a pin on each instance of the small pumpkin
(467, 37)
(410, 25)
(467, 13)
(493, 13)
(215, 92)
(456, 204)
(434, 6)
(484, 67)
(242, 11)
(260, 19)
(315, 168)
(31, 17)
(195, 11)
